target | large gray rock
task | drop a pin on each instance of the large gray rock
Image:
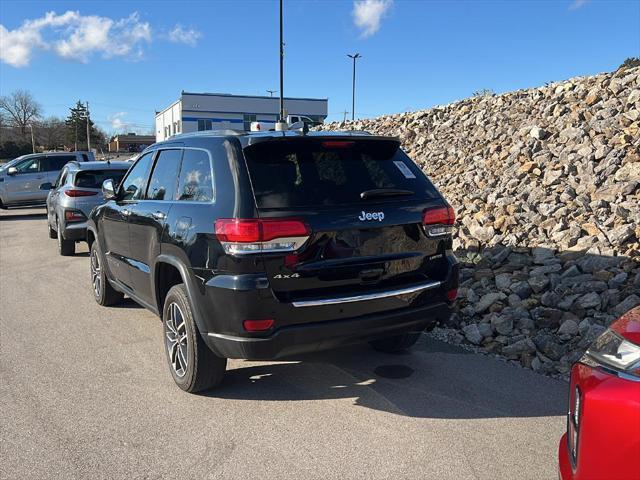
(472, 334)
(568, 327)
(588, 300)
(503, 324)
(521, 346)
(487, 300)
(626, 305)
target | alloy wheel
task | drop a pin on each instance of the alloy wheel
(96, 278)
(176, 337)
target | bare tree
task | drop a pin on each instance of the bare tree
(21, 108)
(51, 133)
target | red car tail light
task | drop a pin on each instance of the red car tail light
(241, 236)
(79, 193)
(258, 325)
(439, 221)
(74, 216)
(452, 294)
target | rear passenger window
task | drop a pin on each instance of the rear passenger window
(196, 178)
(52, 164)
(164, 179)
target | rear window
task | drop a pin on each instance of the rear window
(94, 178)
(315, 172)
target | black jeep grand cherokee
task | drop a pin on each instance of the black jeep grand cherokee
(265, 245)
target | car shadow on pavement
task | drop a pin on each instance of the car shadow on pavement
(8, 217)
(434, 380)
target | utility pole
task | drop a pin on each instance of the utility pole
(344, 118)
(353, 91)
(88, 130)
(282, 114)
(33, 142)
(271, 92)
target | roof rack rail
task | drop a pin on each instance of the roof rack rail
(208, 133)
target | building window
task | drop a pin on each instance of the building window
(204, 125)
(179, 123)
(247, 121)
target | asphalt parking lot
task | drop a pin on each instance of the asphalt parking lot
(85, 393)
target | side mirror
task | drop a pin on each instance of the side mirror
(108, 190)
(12, 171)
(46, 186)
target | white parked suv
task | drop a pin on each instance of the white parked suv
(21, 178)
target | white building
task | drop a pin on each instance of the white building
(212, 111)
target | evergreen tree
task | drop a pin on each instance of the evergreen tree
(76, 124)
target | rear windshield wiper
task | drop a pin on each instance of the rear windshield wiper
(385, 192)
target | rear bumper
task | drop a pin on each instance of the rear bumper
(309, 337)
(75, 231)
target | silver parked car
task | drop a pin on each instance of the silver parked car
(73, 195)
(22, 177)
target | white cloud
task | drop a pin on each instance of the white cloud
(117, 122)
(367, 15)
(576, 4)
(187, 36)
(75, 37)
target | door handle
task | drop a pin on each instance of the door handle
(159, 215)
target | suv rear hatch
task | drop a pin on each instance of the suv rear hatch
(363, 202)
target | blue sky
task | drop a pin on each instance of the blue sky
(130, 58)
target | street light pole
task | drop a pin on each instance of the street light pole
(353, 91)
(271, 92)
(33, 142)
(88, 131)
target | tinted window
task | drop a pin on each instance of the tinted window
(94, 178)
(53, 164)
(196, 180)
(133, 185)
(164, 179)
(311, 172)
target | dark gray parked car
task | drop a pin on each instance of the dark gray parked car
(71, 198)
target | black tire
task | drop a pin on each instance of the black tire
(397, 343)
(103, 292)
(204, 369)
(66, 247)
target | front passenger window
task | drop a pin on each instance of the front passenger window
(164, 179)
(133, 185)
(29, 166)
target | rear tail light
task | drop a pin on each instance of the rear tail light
(241, 236)
(439, 221)
(452, 294)
(79, 193)
(74, 216)
(258, 325)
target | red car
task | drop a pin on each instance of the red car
(603, 423)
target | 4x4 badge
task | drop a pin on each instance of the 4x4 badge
(283, 275)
